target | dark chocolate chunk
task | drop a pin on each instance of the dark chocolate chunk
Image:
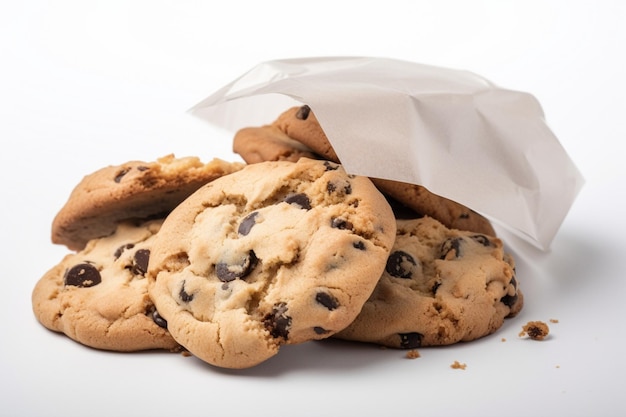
(278, 322)
(120, 174)
(140, 262)
(320, 330)
(482, 239)
(330, 166)
(451, 245)
(331, 187)
(118, 252)
(410, 340)
(359, 245)
(183, 295)
(247, 223)
(400, 264)
(509, 300)
(298, 199)
(435, 287)
(464, 216)
(82, 275)
(327, 300)
(303, 112)
(160, 321)
(227, 272)
(339, 223)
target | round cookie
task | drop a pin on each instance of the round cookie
(300, 123)
(277, 253)
(99, 296)
(134, 190)
(440, 287)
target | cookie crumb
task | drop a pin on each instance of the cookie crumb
(458, 365)
(186, 353)
(536, 330)
(554, 320)
(412, 354)
(503, 339)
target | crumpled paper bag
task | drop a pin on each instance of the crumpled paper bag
(451, 131)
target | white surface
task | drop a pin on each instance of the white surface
(88, 84)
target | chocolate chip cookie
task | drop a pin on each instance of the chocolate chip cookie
(99, 296)
(301, 125)
(134, 190)
(439, 287)
(276, 253)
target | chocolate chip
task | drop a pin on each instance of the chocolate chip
(298, 199)
(451, 246)
(183, 295)
(513, 282)
(247, 223)
(464, 216)
(82, 275)
(435, 287)
(339, 223)
(278, 322)
(509, 300)
(327, 300)
(332, 187)
(303, 112)
(227, 272)
(120, 174)
(410, 340)
(359, 245)
(330, 166)
(160, 321)
(482, 239)
(400, 264)
(118, 252)
(320, 330)
(140, 262)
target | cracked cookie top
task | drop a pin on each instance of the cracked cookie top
(133, 190)
(277, 253)
(440, 286)
(99, 295)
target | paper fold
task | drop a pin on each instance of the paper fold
(451, 131)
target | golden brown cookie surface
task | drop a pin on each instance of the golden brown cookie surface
(268, 143)
(134, 190)
(277, 253)
(99, 295)
(440, 287)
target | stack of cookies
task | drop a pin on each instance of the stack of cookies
(229, 261)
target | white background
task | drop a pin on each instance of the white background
(86, 84)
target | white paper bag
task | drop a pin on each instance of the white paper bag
(450, 131)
